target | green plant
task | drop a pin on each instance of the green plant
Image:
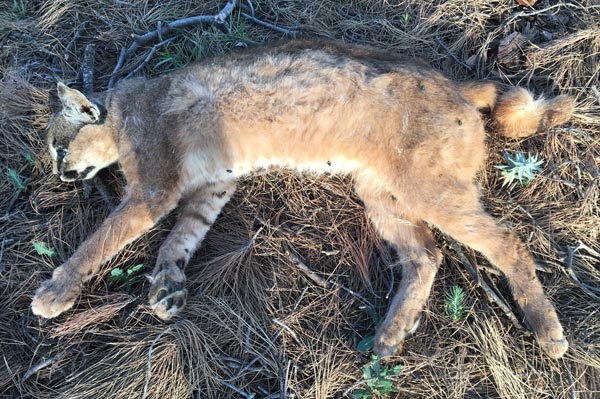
(19, 8)
(405, 18)
(378, 379)
(236, 32)
(175, 56)
(42, 249)
(119, 276)
(16, 179)
(366, 344)
(455, 303)
(520, 168)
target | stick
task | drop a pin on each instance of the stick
(290, 32)
(87, 68)
(87, 72)
(596, 93)
(147, 59)
(454, 57)
(246, 395)
(321, 281)
(491, 294)
(37, 368)
(588, 289)
(571, 382)
(149, 361)
(139, 40)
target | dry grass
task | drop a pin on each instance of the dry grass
(256, 323)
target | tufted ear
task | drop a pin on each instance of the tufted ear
(76, 107)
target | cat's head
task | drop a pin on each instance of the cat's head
(80, 143)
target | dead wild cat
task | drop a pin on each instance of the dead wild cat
(182, 139)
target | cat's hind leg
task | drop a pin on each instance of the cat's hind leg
(420, 259)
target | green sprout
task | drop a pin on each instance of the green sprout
(520, 168)
(16, 179)
(455, 303)
(405, 18)
(118, 275)
(42, 249)
(378, 379)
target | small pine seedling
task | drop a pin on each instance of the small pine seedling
(455, 303)
(520, 168)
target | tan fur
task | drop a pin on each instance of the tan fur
(519, 115)
(412, 140)
(480, 94)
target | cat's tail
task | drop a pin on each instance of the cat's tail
(516, 113)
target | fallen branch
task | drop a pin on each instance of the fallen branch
(568, 269)
(596, 93)
(87, 68)
(33, 370)
(245, 394)
(491, 294)
(140, 40)
(290, 32)
(148, 57)
(149, 361)
(571, 382)
(87, 77)
(321, 281)
(454, 57)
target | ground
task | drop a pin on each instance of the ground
(291, 281)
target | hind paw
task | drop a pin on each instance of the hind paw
(390, 337)
(553, 342)
(167, 294)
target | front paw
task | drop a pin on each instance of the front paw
(54, 297)
(167, 294)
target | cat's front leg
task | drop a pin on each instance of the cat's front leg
(199, 210)
(128, 222)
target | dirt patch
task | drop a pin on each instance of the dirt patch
(257, 323)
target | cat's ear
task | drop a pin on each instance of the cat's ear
(76, 106)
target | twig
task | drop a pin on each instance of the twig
(2, 268)
(247, 395)
(164, 29)
(491, 294)
(571, 382)
(87, 68)
(251, 6)
(286, 328)
(149, 361)
(596, 93)
(75, 37)
(454, 57)
(321, 281)
(148, 57)
(87, 72)
(37, 368)
(120, 61)
(275, 337)
(568, 269)
(290, 32)
(286, 378)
